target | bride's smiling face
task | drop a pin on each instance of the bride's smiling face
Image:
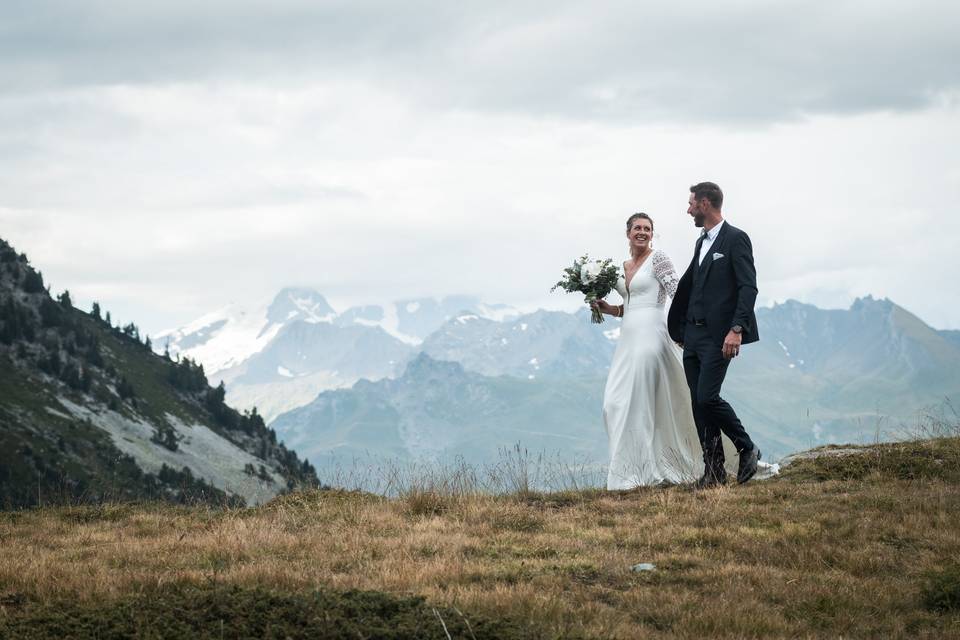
(640, 234)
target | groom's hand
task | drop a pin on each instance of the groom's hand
(731, 345)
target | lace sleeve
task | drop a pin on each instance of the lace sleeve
(666, 275)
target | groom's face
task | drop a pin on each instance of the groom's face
(695, 209)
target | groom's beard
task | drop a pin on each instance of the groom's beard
(698, 219)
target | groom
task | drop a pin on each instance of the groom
(711, 317)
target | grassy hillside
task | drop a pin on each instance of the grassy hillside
(66, 373)
(859, 542)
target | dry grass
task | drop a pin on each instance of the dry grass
(818, 553)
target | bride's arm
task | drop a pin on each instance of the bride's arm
(666, 275)
(615, 310)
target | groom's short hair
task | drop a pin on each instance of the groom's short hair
(709, 190)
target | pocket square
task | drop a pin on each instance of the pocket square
(717, 256)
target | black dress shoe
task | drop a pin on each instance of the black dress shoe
(720, 473)
(706, 481)
(713, 476)
(748, 464)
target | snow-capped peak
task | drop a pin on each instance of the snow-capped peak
(226, 337)
(302, 304)
(230, 335)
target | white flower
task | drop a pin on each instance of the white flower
(590, 272)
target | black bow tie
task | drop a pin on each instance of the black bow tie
(703, 235)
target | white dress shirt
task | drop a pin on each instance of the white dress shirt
(708, 242)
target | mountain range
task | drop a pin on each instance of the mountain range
(89, 409)
(278, 355)
(438, 410)
(474, 378)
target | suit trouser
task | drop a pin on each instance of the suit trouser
(705, 368)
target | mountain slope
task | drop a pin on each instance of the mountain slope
(951, 335)
(841, 375)
(87, 410)
(438, 410)
(817, 376)
(305, 358)
(280, 355)
(543, 343)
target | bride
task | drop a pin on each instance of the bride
(646, 402)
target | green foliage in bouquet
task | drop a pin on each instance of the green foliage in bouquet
(593, 278)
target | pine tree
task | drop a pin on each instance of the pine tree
(50, 313)
(64, 300)
(131, 331)
(186, 375)
(86, 382)
(33, 281)
(9, 322)
(125, 390)
(93, 355)
(72, 376)
(95, 312)
(215, 405)
(108, 320)
(52, 363)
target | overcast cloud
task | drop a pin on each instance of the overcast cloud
(169, 158)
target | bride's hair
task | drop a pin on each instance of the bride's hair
(639, 214)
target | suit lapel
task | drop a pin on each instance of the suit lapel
(714, 248)
(692, 269)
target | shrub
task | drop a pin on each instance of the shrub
(942, 590)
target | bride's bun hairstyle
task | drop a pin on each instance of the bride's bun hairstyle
(639, 214)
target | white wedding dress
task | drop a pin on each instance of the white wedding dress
(646, 403)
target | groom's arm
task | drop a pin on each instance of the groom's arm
(745, 274)
(677, 315)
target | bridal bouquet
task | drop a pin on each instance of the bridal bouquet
(593, 278)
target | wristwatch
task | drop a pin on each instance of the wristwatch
(736, 328)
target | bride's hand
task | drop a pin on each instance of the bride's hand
(605, 307)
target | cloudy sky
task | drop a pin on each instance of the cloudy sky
(167, 158)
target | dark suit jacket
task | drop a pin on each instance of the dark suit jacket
(729, 288)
